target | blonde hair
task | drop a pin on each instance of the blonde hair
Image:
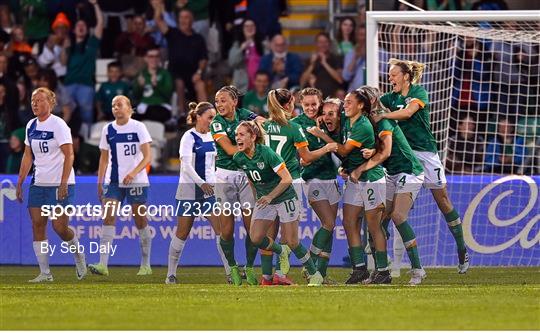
(51, 96)
(197, 110)
(375, 93)
(254, 128)
(126, 99)
(277, 99)
(332, 101)
(309, 91)
(413, 68)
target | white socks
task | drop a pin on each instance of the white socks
(399, 250)
(41, 249)
(107, 237)
(145, 239)
(79, 256)
(222, 255)
(175, 251)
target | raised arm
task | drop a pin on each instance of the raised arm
(159, 9)
(100, 22)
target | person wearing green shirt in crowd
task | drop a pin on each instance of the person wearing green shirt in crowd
(153, 88)
(276, 198)
(16, 145)
(409, 103)
(405, 176)
(288, 140)
(255, 100)
(36, 21)
(365, 191)
(114, 86)
(321, 187)
(232, 189)
(80, 59)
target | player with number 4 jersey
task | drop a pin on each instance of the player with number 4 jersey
(409, 103)
(125, 154)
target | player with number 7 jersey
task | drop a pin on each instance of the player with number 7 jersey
(125, 154)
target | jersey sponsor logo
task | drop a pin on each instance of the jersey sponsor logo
(408, 100)
(217, 127)
(260, 165)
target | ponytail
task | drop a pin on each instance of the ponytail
(197, 110)
(413, 68)
(277, 99)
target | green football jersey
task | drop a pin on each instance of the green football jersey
(402, 158)
(417, 129)
(285, 140)
(360, 135)
(262, 172)
(221, 127)
(323, 168)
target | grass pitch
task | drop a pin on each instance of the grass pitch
(484, 298)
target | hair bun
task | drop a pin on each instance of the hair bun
(192, 105)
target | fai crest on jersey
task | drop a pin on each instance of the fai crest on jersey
(44, 135)
(130, 137)
(260, 165)
(408, 100)
(316, 193)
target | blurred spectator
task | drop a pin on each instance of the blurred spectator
(153, 89)
(81, 67)
(4, 39)
(245, 56)
(10, 89)
(505, 151)
(325, 68)
(155, 32)
(283, 66)
(7, 121)
(354, 64)
(86, 156)
(266, 13)
(115, 17)
(16, 146)
(65, 106)
(6, 18)
(490, 5)
(442, 4)
(345, 40)
(200, 10)
(131, 46)
(187, 57)
(222, 14)
(51, 56)
(108, 90)
(465, 148)
(255, 100)
(19, 51)
(36, 21)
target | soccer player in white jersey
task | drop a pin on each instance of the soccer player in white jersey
(125, 154)
(49, 147)
(195, 194)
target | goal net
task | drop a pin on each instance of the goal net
(482, 75)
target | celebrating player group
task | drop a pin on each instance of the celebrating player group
(260, 169)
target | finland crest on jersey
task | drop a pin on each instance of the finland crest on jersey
(45, 139)
(124, 146)
(198, 164)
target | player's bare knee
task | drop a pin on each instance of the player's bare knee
(398, 217)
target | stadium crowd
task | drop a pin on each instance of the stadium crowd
(169, 53)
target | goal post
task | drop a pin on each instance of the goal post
(483, 71)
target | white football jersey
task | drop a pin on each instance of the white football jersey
(198, 164)
(124, 146)
(45, 139)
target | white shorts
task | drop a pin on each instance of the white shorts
(319, 190)
(434, 177)
(298, 185)
(233, 186)
(287, 211)
(403, 183)
(365, 194)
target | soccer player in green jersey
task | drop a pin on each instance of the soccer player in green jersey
(404, 180)
(409, 104)
(276, 198)
(321, 186)
(364, 192)
(287, 139)
(232, 189)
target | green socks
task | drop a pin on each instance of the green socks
(228, 250)
(357, 256)
(266, 265)
(381, 260)
(302, 254)
(324, 256)
(409, 240)
(454, 224)
(269, 244)
(251, 252)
